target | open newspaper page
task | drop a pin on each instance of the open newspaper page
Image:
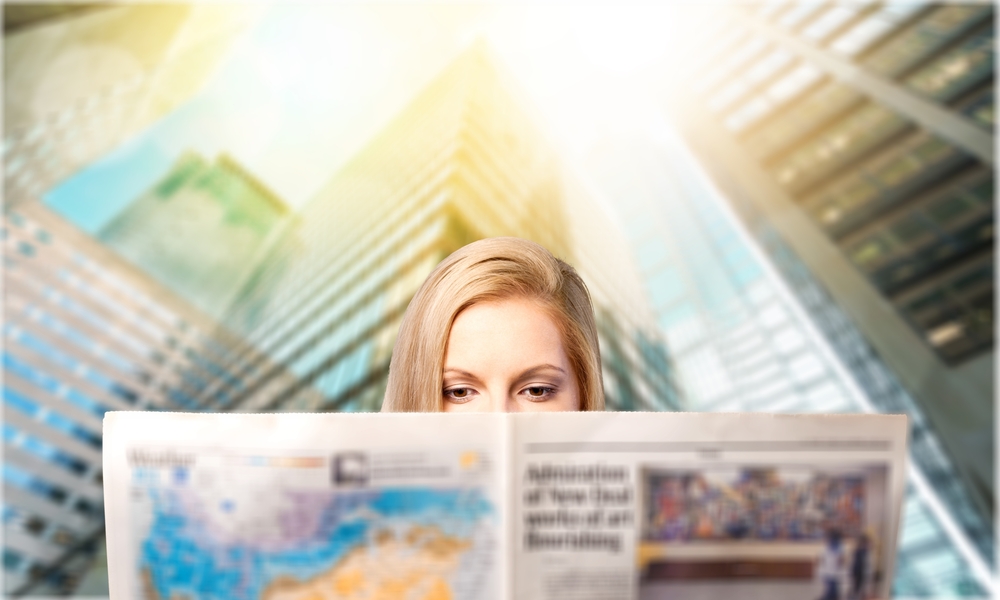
(305, 506)
(666, 505)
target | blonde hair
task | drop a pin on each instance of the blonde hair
(490, 269)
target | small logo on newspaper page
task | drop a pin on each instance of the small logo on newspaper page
(350, 469)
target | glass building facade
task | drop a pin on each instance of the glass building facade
(741, 340)
(198, 229)
(855, 144)
(460, 163)
(68, 100)
(83, 333)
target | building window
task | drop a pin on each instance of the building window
(954, 72)
(30, 373)
(52, 454)
(35, 525)
(924, 38)
(33, 484)
(864, 34)
(64, 537)
(11, 560)
(830, 20)
(956, 318)
(87, 508)
(876, 179)
(123, 392)
(821, 103)
(980, 108)
(857, 132)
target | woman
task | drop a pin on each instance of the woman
(500, 325)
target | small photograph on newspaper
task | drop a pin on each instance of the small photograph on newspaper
(300, 525)
(772, 531)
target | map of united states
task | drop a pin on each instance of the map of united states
(403, 543)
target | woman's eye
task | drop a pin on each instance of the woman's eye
(458, 394)
(538, 392)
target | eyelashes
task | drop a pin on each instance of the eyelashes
(537, 393)
(534, 393)
(459, 395)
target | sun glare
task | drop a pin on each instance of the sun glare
(624, 41)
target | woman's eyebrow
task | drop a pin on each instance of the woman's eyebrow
(463, 373)
(539, 369)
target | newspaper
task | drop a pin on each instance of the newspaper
(548, 506)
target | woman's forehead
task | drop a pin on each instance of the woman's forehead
(513, 333)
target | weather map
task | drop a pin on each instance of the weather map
(421, 543)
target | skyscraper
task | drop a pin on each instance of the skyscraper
(84, 332)
(79, 79)
(856, 144)
(87, 332)
(198, 229)
(742, 342)
(461, 162)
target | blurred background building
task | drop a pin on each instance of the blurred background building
(198, 230)
(856, 143)
(80, 79)
(741, 341)
(817, 236)
(461, 162)
(84, 332)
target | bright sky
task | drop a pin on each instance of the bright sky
(306, 88)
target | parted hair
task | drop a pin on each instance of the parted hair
(488, 270)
